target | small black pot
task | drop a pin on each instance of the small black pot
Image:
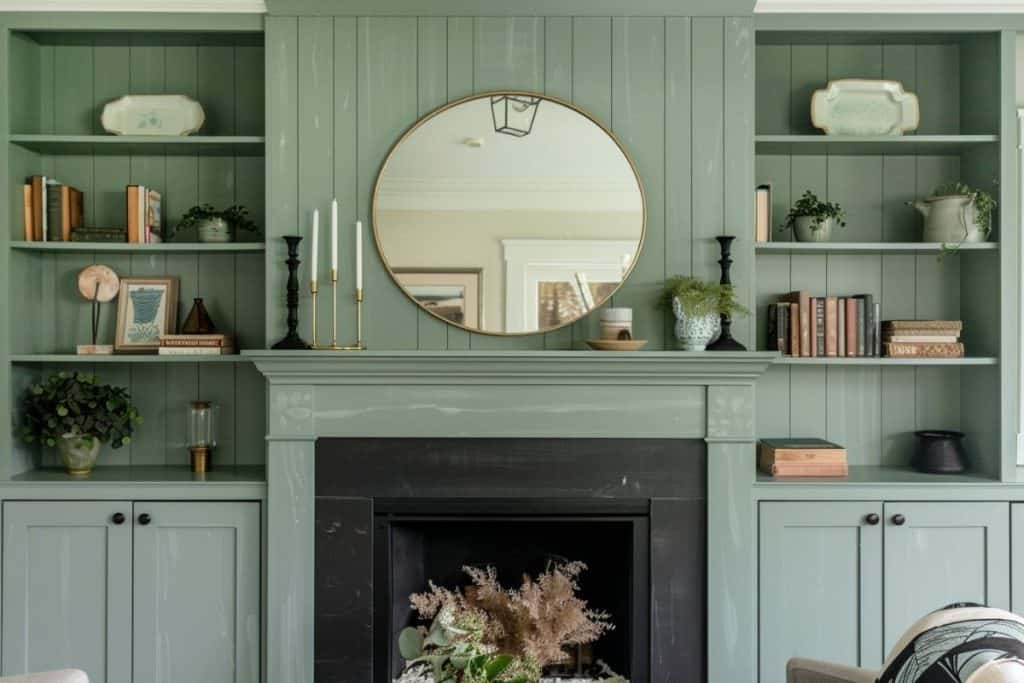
(939, 452)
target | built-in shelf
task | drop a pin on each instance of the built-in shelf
(163, 247)
(870, 145)
(157, 474)
(871, 360)
(123, 358)
(233, 145)
(875, 474)
(868, 248)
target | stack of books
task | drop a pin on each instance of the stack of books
(922, 338)
(802, 458)
(52, 209)
(145, 223)
(196, 345)
(828, 326)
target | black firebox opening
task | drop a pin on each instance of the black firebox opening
(412, 550)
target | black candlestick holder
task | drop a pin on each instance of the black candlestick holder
(725, 341)
(292, 340)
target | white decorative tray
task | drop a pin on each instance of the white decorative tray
(168, 115)
(864, 108)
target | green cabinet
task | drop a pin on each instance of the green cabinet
(820, 584)
(67, 597)
(940, 553)
(842, 581)
(133, 592)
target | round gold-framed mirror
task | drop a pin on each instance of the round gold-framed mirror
(509, 213)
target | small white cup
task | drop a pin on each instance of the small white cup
(617, 323)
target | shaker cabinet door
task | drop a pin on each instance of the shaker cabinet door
(197, 592)
(67, 588)
(820, 584)
(937, 554)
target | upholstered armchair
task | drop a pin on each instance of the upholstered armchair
(62, 676)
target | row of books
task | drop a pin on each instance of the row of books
(54, 213)
(803, 325)
(922, 338)
(802, 458)
(196, 345)
(52, 209)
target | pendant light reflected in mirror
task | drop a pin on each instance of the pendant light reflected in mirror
(514, 114)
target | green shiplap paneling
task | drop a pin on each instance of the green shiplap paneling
(346, 180)
(635, 75)
(638, 119)
(387, 106)
(739, 164)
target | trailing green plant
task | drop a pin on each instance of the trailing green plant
(235, 216)
(984, 203)
(75, 403)
(698, 298)
(811, 207)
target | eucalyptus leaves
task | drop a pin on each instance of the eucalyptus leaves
(73, 404)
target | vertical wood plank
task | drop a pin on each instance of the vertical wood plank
(251, 415)
(73, 89)
(316, 150)
(249, 90)
(432, 92)
(809, 71)
(678, 152)
(638, 119)
(216, 88)
(773, 89)
(558, 82)
(592, 91)
(345, 170)
(460, 82)
(739, 165)
(938, 88)
(856, 184)
(386, 106)
(708, 161)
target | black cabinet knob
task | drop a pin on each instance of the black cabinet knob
(145, 519)
(117, 518)
(872, 519)
(899, 520)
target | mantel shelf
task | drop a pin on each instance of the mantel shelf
(232, 145)
(871, 360)
(868, 248)
(511, 367)
(162, 248)
(869, 145)
(123, 358)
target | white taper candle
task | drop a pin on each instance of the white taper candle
(359, 254)
(334, 235)
(316, 236)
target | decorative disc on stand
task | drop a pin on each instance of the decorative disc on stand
(97, 284)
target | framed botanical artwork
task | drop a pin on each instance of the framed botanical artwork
(147, 307)
(452, 294)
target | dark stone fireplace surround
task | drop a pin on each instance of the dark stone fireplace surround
(363, 484)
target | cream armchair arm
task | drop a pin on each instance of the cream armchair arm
(811, 671)
(62, 676)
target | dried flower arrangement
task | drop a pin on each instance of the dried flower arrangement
(487, 633)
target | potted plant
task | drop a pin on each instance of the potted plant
(217, 226)
(812, 220)
(698, 306)
(956, 213)
(75, 414)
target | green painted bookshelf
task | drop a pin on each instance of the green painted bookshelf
(62, 72)
(966, 133)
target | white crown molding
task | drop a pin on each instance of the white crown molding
(890, 7)
(219, 6)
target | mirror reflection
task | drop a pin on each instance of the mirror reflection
(509, 213)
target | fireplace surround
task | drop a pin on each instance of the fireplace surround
(392, 514)
(523, 395)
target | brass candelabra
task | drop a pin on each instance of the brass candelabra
(314, 289)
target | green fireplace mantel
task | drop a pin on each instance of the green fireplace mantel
(706, 396)
(510, 367)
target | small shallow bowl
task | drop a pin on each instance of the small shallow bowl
(616, 344)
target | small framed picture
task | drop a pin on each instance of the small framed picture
(147, 307)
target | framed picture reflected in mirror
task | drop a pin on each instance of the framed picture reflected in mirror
(450, 293)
